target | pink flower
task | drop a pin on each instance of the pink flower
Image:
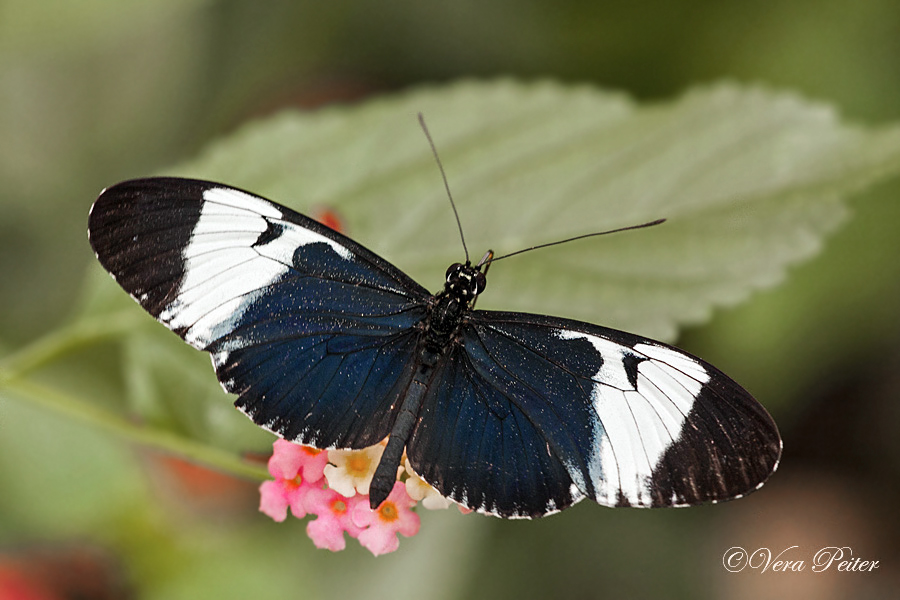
(334, 486)
(333, 512)
(382, 525)
(289, 458)
(295, 469)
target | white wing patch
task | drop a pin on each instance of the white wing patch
(636, 424)
(246, 203)
(224, 273)
(683, 368)
(612, 372)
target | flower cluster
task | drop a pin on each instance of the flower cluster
(334, 486)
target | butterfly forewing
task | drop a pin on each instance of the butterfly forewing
(310, 329)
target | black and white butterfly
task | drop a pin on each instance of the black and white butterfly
(511, 414)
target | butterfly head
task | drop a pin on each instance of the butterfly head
(464, 281)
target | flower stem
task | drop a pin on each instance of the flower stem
(165, 441)
(47, 348)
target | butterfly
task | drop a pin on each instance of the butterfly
(511, 414)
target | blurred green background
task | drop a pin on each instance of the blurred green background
(95, 92)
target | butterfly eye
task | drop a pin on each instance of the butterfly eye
(480, 282)
(453, 271)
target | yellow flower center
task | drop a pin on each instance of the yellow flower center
(388, 511)
(358, 464)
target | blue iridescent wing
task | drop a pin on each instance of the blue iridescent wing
(312, 331)
(530, 414)
(525, 414)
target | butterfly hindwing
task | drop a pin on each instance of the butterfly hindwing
(310, 329)
(476, 444)
(621, 419)
(308, 392)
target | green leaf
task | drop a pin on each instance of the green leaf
(750, 180)
(172, 387)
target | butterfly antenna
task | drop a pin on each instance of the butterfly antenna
(446, 185)
(578, 237)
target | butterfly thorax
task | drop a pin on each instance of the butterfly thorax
(442, 323)
(462, 286)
